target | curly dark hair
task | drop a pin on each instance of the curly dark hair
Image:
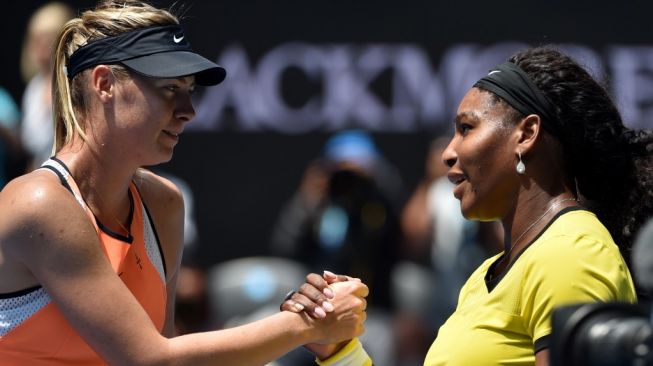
(612, 164)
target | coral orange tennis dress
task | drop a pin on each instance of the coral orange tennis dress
(34, 332)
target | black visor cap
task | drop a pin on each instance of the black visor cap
(176, 64)
(159, 51)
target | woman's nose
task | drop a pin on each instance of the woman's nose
(185, 110)
(449, 156)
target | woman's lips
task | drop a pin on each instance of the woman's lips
(457, 179)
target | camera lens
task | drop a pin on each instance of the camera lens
(602, 335)
(608, 339)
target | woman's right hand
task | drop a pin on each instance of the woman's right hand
(314, 296)
(341, 295)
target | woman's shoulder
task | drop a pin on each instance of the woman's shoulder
(38, 205)
(28, 192)
(576, 224)
(577, 258)
(157, 190)
(575, 235)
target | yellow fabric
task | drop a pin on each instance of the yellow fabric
(574, 260)
(352, 354)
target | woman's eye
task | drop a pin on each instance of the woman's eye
(464, 128)
(177, 88)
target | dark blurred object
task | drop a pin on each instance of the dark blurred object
(191, 301)
(602, 335)
(642, 258)
(14, 160)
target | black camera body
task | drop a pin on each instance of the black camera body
(602, 334)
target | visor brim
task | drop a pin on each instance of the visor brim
(176, 64)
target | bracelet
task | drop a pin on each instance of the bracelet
(289, 295)
(353, 354)
(286, 298)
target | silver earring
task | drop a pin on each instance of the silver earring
(521, 168)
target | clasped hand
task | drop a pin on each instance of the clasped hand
(336, 304)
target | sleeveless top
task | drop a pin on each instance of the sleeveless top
(33, 331)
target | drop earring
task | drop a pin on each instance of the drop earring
(521, 168)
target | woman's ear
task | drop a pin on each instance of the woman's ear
(103, 82)
(528, 132)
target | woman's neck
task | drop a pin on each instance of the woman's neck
(533, 211)
(103, 183)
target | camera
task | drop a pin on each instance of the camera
(602, 334)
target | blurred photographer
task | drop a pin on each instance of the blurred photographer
(342, 217)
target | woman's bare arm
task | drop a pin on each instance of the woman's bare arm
(49, 233)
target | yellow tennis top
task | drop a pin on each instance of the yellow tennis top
(506, 320)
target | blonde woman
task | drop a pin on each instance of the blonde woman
(90, 243)
(36, 129)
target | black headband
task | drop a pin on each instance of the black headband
(513, 85)
(159, 51)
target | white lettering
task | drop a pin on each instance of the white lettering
(386, 87)
(632, 83)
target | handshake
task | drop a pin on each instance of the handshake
(334, 306)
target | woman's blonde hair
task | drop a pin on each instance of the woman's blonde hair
(109, 18)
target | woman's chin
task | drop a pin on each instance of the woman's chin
(472, 212)
(466, 211)
(159, 159)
